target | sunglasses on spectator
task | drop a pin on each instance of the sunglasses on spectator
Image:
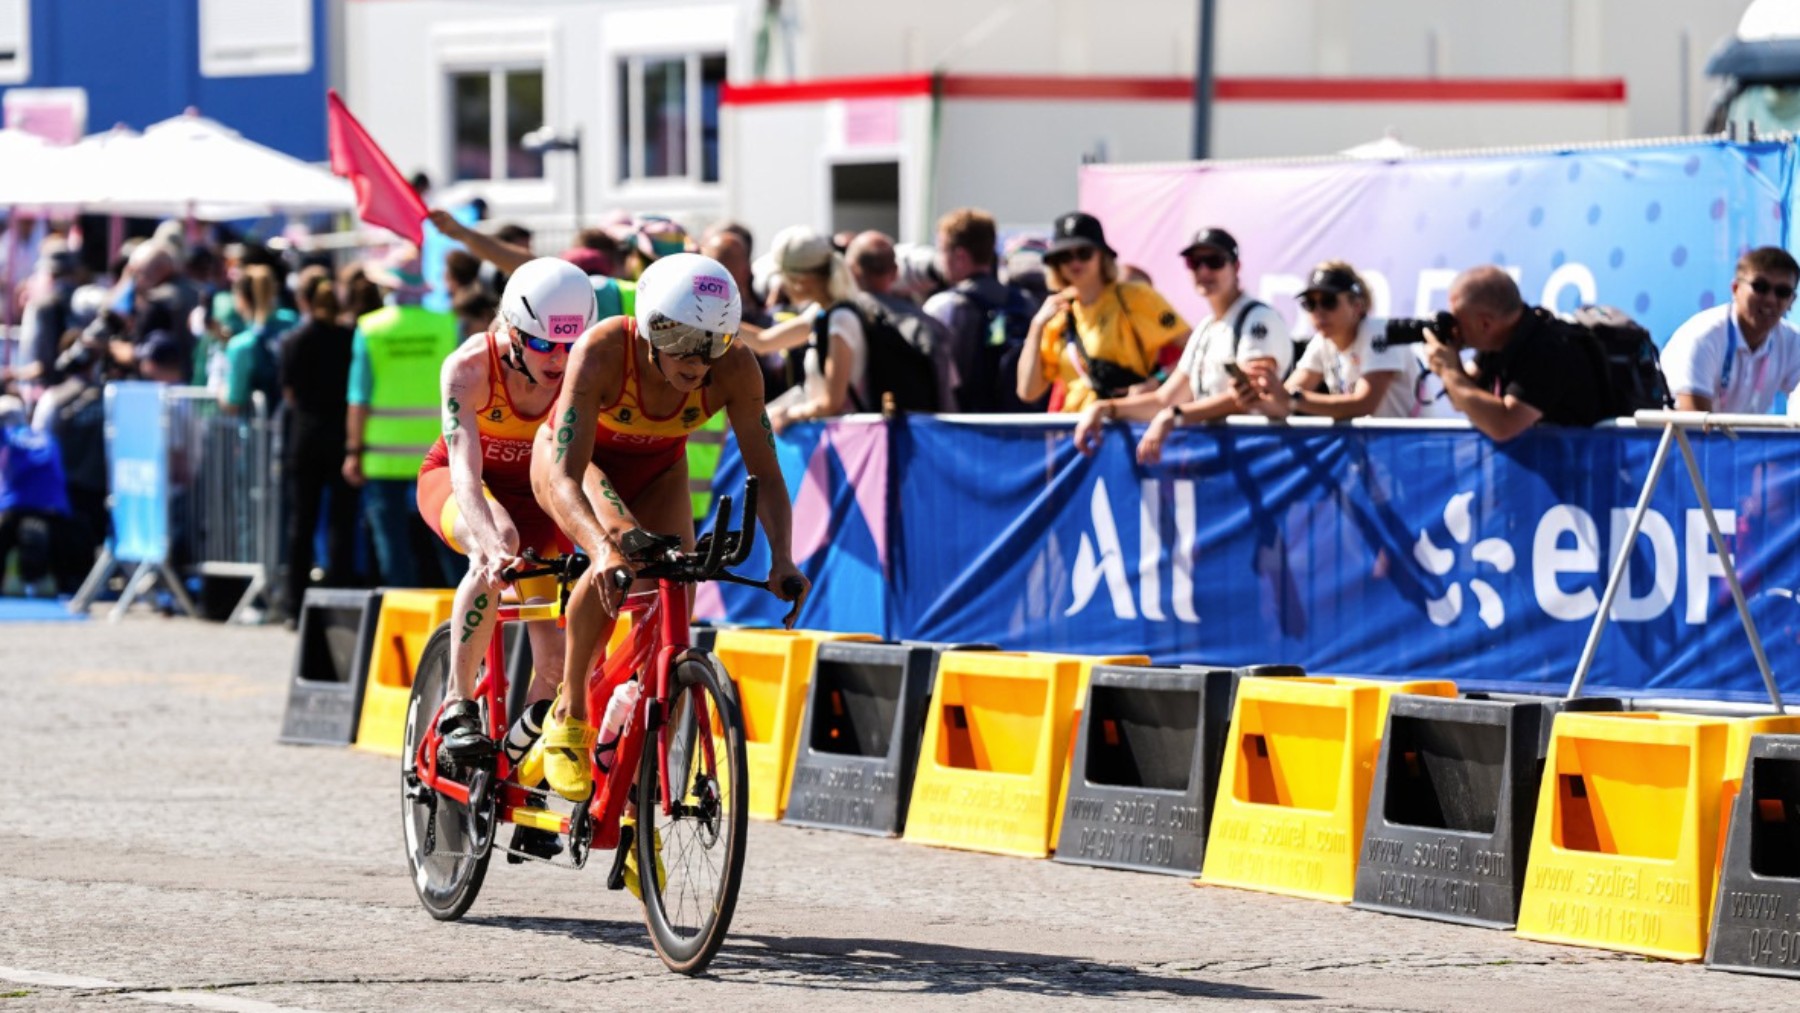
(543, 346)
(1322, 302)
(1081, 253)
(1210, 261)
(1762, 286)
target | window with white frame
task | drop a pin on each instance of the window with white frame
(669, 116)
(491, 111)
(240, 38)
(15, 41)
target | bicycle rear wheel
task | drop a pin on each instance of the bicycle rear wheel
(688, 903)
(445, 855)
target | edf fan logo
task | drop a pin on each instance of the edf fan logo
(1493, 552)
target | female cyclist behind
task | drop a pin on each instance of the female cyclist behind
(475, 484)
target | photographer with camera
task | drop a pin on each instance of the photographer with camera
(1529, 367)
(1349, 355)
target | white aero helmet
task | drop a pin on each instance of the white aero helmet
(551, 299)
(688, 305)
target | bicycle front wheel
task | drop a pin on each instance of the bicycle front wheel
(690, 866)
(443, 851)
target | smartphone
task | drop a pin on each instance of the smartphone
(1238, 376)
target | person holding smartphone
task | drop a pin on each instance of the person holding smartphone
(1242, 339)
(1360, 374)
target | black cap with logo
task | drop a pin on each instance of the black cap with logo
(1077, 229)
(1332, 279)
(1217, 239)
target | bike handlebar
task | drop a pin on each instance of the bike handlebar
(660, 556)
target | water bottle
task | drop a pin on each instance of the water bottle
(618, 709)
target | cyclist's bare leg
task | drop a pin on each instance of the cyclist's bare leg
(662, 507)
(472, 616)
(589, 627)
(547, 645)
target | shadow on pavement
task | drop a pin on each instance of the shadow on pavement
(905, 967)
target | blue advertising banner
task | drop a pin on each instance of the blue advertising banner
(837, 474)
(1653, 229)
(1397, 552)
(137, 455)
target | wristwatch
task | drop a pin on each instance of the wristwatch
(1175, 416)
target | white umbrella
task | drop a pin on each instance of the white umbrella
(34, 169)
(1388, 148)
(193, 166)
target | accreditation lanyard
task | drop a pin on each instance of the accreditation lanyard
(1731, 343)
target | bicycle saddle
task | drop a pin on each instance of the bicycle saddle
(641, 546)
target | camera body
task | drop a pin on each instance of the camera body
(1411, 330)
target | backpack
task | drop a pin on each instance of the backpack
(1627, 358)
(902, 355)
(992, 383)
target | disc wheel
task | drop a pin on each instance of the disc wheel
(688, 908)
(446, 845)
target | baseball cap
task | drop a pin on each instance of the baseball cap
(161, 348)
(1217, 239)
(656, 237)
(1331, 279)
(1077, 229)
(590, 262)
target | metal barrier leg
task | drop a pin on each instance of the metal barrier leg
(1729, 565)
(1617, 576)
(142, 576)
(104, 568)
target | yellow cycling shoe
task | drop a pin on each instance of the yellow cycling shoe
(632, 882)
(530, 771)
(568, 750)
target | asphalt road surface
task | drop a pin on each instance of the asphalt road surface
(158, 848)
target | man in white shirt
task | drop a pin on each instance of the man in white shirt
(1735, 358)
(1241, 331)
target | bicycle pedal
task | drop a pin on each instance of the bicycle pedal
(615, 879)
(532, 842)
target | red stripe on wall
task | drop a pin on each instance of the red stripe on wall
(1229, 89)
(905, 86)
(1373, 89)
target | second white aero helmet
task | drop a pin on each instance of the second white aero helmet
(549, 299)
(688, 304)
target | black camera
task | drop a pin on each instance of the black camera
(1411, 330)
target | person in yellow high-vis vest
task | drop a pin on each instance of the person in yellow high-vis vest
(393, 416)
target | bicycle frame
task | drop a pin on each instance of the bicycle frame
(659, 636)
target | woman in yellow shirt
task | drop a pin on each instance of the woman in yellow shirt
(1119, 326)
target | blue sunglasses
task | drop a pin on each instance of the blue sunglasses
(543, 346)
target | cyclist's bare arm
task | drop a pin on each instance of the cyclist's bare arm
(465, 386)
(594, 377)
(739, 378)
(505, 256)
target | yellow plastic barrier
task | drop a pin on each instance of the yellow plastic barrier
(407, 619)
(1075, 713)
(992, 757)
(1622, 852)
(1294, 789)
(772, 669)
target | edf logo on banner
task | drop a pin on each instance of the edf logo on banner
(1564, 566)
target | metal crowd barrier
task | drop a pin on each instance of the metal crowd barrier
(223, 511)
(226, 520)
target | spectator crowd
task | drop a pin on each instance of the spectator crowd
(346, 356)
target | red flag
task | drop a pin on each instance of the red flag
(383, 196)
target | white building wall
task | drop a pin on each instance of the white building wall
(1019, 157)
